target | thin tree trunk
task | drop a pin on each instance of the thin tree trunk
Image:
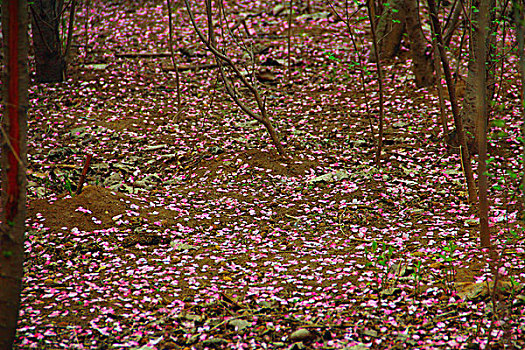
(86, 30)
(361, 62)
(437, 66)
(371, 14)
(70, 32)
(465, 155)
(471, 99)
(480, 89)
(520, 35)
(13, 131)
(289, 43)
(172, 54)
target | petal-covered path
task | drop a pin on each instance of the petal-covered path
(192, 232)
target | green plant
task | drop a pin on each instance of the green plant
(386, 255)
(331, 56)
(417, 276)
(450, 272)
(67, 184)
(379, 257)
(7, 253)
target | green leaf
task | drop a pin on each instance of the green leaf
(499, 123)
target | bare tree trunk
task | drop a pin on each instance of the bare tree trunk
(86, 30)
(289, 43)
(400, 16)
(50, 63)
(172, 55)
(13, 131)
(479, 78)
(389, 31)
(70, 28)
(422, 65)
(371, 14)
(519, 11)
(472, 98)
(437, 66)
(465, 155)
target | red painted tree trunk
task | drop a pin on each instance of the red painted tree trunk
(13, 165)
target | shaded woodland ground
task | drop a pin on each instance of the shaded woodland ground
(192, 232)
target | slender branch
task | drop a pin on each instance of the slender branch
(86, 28)
(372, 15)
(8, 143)
(290, 42)
(220, 55)
(359, 59)
(172, 55)
(520, 34)
(452, 23)
(465, 156)
(437, 68)
(84, 173)
(221, 59)
(70, 32)
(39, 29)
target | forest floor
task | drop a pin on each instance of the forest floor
(192, 232)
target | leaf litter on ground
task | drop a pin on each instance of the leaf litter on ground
(193, 233)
